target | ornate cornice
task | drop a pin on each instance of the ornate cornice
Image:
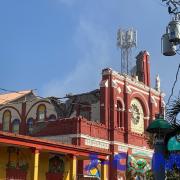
(131, 80)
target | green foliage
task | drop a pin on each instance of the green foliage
(172, 111)
(13, 165)
(149, 175)
(130, 175)
(56, 165)
(173, 174)
(24, 167)
(150, 140)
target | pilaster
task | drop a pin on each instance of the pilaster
(35, 160)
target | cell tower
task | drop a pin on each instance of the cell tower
(126, 40)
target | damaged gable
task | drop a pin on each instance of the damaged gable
(85, 104)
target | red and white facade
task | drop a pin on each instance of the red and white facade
(118, 118)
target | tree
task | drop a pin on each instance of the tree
(172, 112)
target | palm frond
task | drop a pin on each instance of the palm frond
(172, 111)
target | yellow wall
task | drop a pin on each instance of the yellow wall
(43, 165)
(3, 162)
(26, 156)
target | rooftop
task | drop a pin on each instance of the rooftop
(8, 97)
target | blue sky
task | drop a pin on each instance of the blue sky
(61, 46)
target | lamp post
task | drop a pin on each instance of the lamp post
(159, 127)
(170, 41)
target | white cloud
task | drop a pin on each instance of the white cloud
(93, 46)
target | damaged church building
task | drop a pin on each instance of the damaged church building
(79, 136)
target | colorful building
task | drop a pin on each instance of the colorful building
(94, 128)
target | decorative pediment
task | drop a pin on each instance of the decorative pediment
(104, 83)
(128, 90)
(153, 101)
(119, 90)
(114, 84)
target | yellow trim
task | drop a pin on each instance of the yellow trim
(42, 108)
(70, 172)
(104, 170)
(73, 168)
(36, 165)
(67, 169)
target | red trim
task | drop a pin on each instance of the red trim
(23, 126)
(143, 100)
(12, 173)
(54, 176)
(27, 141)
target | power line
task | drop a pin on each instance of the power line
(21, 93)
(6, 90)
(56, 98)
(172, 90)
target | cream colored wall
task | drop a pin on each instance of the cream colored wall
(29, 104)
(95, 112)
(138, 128)
(49, 108)
(14, 113)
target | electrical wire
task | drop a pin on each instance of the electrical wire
(82, 106)
(177, 51)
(53, 109)
(6, 90)
(172, 90)
(12, 91)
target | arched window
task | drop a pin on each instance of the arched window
(15, 126)
(41, 112)
(30, 125)
(6, 120)
(52, 117)
(119, 114)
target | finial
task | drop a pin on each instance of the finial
(158, 83)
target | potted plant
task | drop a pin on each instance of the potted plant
(56, 169)
(16, 172)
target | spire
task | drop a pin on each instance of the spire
(158, 83)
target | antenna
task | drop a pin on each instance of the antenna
(126, 40)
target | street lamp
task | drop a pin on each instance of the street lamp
(170, 41)
(159, 127)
